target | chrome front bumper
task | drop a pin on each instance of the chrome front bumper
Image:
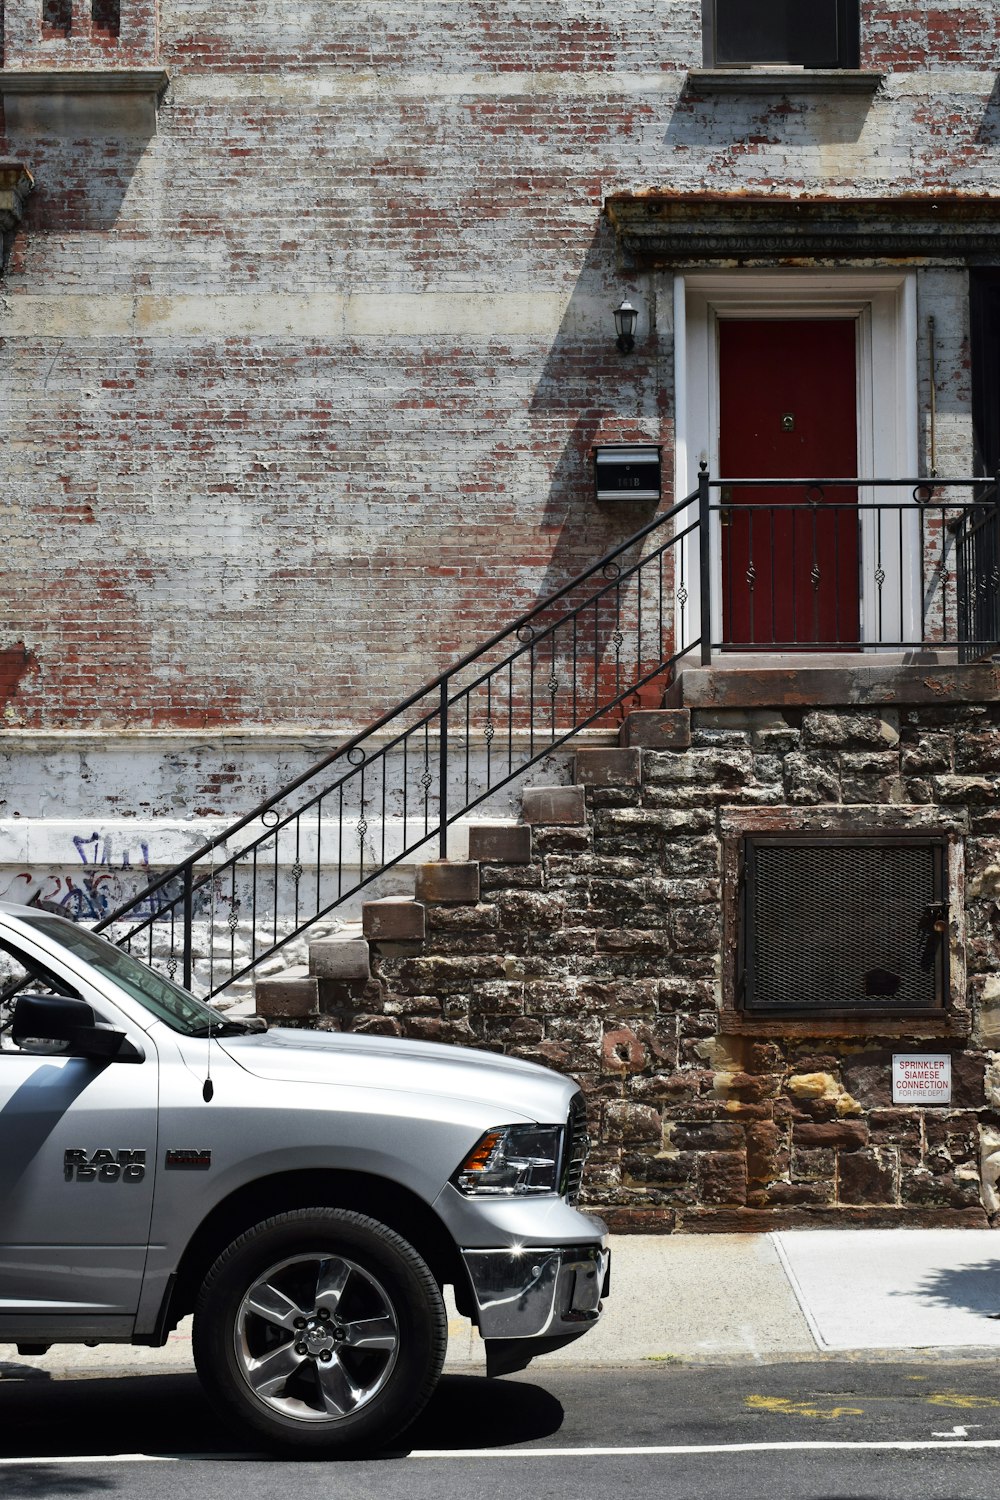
(538, 1293)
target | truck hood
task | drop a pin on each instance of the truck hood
(375, 1062)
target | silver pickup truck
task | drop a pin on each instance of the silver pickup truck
(305, 1195)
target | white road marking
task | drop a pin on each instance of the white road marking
(94, 1458)
(957, 1432)
(901, 1445)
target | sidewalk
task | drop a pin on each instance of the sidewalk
(720, 1299)
(799, 1295)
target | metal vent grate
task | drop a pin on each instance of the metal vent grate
(844, 925)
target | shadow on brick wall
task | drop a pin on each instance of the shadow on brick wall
(80, 186)
(588, 393)
(709, 124)
(989, 126)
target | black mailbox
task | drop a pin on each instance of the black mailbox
(627, 471)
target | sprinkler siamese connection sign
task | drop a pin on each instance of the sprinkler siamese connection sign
(921, 1078)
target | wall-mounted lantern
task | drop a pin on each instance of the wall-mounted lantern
(627, 471)
(626, 317)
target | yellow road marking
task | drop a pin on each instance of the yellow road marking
(956, 1398)
(782, 1406)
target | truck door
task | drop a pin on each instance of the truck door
(77, 1156)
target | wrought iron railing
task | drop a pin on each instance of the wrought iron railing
(976, 530)
(924, 569)
(395, 789)
(850, 564)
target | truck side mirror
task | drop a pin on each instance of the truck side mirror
(58, 1018)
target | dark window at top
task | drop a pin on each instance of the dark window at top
(106, 16)
(57, 17)
(843, 925)
(799, 33)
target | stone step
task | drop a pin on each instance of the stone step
(291, 994)
(554, 804)
(500, 843)
(600, 767)
(340, 958)
(394, 919)
(448, 882)
(657, 729)
(830, 681)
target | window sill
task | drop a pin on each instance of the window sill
(954, 1023)
(774, 80)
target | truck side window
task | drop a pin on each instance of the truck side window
(20, 972)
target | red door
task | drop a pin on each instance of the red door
(788, 410)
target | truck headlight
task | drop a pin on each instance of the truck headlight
(512, 1160)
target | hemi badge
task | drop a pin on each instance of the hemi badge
(190, 1160)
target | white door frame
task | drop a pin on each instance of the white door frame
(884, 306)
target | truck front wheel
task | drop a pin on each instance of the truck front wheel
(320, 1329)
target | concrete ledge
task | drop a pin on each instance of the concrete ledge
(553, 804)
(448, 881)
(774, 80)
(500, 843)
(396, 919)
(792, 686)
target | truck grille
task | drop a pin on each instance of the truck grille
(577, 1147)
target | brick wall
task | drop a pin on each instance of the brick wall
(79, 33)
(301, 389)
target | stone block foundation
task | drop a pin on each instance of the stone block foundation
(604, 958)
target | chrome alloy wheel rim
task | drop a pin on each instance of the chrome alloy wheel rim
(316, 1338)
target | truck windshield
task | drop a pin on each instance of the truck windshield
(167, 1001)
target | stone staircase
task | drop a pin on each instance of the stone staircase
(347, 982)
(590, 935)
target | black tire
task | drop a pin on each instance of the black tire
(320, 1329)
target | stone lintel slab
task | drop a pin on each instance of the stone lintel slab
(66, 101)
(287, 997)
(831, 686)
(735, 820)
(395, 919)
(340, 958)
(665, 226)
(621, 767)
(657, 729)
(448, 880)
(500, 843)
(554, 804)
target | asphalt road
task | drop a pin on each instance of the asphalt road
(828, 1430)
